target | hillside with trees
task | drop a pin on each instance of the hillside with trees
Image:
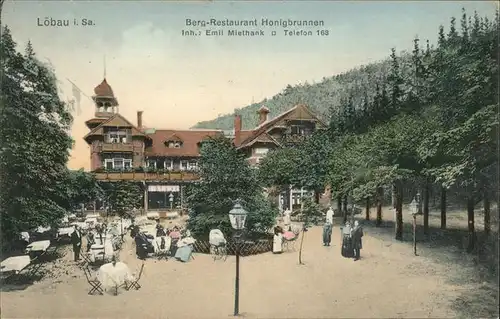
(434, 131)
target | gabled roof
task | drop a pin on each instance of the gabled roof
(173, 138)
(263, 138)
(269, 124)
(190, 142)
(122, 121)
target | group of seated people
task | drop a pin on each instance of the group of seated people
(165, 240)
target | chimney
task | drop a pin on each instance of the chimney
(139, 119)
(263, 112)
(237, 129)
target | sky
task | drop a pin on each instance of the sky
(179, 80)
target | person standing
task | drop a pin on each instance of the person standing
(287, 219)
(76, 240)
(90, 240)
(357, 234)
(329, 215)
(327, 234)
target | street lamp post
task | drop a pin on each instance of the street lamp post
(171, 200)
(237, 217)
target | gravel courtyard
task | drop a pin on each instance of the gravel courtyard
(387, 282)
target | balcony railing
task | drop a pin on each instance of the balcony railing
(145, 175)
(113, 147)
(117, 147)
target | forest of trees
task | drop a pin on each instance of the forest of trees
(430, 124)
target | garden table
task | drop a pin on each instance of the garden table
(114, 276)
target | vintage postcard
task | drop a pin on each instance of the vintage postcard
(262, 159)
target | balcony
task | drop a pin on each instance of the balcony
(157, 176)
(117, 147)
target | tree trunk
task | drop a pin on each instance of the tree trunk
(339, 205)
(426, 207)
(443, 207)
(316, 196)
(344, 209)
(367, 210)
(470, 222)
(380, 196)
(301, 245)
(399, 211)
(487, 213)
(393, 196)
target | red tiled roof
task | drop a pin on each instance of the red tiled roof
(189, 138)
(104, 89)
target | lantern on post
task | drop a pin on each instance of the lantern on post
(237, 217)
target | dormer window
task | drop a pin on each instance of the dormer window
(173, 144)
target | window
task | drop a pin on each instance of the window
(160, 164)
(120, 136)
(127, 164)
(296, 198)
(174, 144)
(184, 165)
(169, 164)
(151, 163)
(193, 165)
(108, 163)
(297, 130)
(261, 151)
(117, 163)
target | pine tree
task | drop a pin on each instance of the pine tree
(464, 26)
(441, 37)
(395, 81)
(453, 34)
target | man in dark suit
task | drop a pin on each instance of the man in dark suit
(357, 234)
(76, 240)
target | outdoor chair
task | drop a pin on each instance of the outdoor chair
(289, 244)
(85, 259)
(95, 285)
(135, 282)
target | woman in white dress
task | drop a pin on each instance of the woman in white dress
(278, 240)
(287, 220)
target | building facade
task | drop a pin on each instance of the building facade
(288, 128)
(164, 161)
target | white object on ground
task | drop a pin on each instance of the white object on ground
(112, 276)
(41, 245)
(216, 237)
(94, 216)
(16, 263)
